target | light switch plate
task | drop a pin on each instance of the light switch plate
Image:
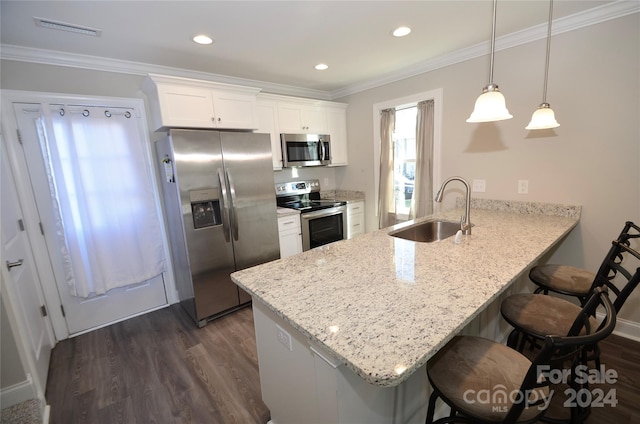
(523, 186)
(479, 186)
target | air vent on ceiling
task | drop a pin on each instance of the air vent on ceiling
(48, 23)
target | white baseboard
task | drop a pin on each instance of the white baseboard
(46, 413)
(625, 328)
(17, 393)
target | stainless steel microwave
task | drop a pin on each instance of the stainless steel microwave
(305, 150)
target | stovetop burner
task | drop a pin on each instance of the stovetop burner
(303, 196)
(311, 205)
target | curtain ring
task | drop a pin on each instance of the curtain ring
(85, 113)
(127, 114)
(61, 111)
(107, 114)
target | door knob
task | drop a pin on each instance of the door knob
(13, 264)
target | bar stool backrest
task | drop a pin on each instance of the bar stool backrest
(558, 350)
(621, 265)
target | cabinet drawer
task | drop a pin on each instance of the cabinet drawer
(287, 223)
(355, 219)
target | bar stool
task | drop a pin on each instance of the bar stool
(533, 316)
(483, 381)
(570, 280)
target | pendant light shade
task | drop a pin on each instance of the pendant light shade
(490, 105)
(544, 117)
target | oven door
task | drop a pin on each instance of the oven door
(323, 226)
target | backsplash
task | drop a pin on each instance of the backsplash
(538, 208)
(345, 195)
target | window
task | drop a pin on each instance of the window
(404, 141)
(405, 152)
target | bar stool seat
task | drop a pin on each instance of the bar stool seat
(541, 315)
(563, 279)
(573, 281)
(468, 366)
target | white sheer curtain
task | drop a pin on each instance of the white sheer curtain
(422, 200)
(100, 181)
(386, 194)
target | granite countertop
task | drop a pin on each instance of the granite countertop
(383, 305)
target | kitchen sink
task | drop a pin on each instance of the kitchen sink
(428, 231)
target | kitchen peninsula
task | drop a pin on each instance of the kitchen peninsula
(344, 330)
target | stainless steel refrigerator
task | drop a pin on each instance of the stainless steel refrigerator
(220, 208)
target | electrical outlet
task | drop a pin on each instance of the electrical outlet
(325, 182)
(523, 186)
(284, 337)
(479, 186)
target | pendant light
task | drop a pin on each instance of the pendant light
(490, 105)
(544, 117)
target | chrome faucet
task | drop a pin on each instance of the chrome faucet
(465, 221)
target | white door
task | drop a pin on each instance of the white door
(81, 314)
(21, 284)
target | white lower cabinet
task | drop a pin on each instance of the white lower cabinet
(290, 234)
(301, 383)
(355, 219)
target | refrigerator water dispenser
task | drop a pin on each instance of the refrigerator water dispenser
(205, 208)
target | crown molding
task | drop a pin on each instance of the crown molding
(96, 63)
(589, 17)
(573, 22)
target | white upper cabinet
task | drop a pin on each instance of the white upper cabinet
(279, 114)
(337, 126)
(267, 113)
(186, 103)
(300, 118)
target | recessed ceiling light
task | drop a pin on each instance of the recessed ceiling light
(401, 31)
(321, 66)
(202, 39)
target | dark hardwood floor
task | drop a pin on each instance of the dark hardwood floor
(160, 368)
(623, 356)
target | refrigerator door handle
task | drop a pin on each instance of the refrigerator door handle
(232, 209)
(225, 206)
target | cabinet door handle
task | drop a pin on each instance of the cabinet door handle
(332, 362)
(14, 264)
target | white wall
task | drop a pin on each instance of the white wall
(11, 369)
(592, 159)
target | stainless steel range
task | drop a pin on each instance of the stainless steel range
(323, 221)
